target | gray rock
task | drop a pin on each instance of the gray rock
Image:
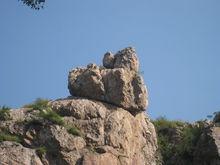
(108, 60)
(12, 153)
(127, 58)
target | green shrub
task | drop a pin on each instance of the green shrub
(41, 151)
(190, 137)
(38, 104)
(74, 131)
(52, 116)
(163, 123)
(5, 113)
(169, 148)
(5, 136)
(165, 147)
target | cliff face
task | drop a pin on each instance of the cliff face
(102, 123)
(207, 151)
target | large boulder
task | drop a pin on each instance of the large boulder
(125, 58)
(118, 82)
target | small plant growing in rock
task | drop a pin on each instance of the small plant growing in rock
(38, 104)
(52, 116)
(5, 113)
(6, 136)
(41, 151)
(74, 131)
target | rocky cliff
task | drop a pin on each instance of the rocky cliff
(182, 143)
(103, 122)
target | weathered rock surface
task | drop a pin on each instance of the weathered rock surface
(118, 82)
(109, 135)
(125, 58)
(109, 129)
(12, 153)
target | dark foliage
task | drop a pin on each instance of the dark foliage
(177, 140)
(74, 131)
(34, 4)
(6, 136)
(4, 113)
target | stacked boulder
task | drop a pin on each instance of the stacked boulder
(107, 106)
(117, 82)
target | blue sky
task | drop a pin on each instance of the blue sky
(178, 43)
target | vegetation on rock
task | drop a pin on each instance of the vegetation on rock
(177, 140)
(52, 116)
(41, 151)
(5, 113)
(74, 131)
(6, 136)
(38, 104)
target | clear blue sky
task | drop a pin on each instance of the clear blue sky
(178, 43)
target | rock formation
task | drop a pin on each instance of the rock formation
(118, 82)
(102, 123)
(207, 151)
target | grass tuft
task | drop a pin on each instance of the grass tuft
(74, 131)
(163, 123)
(5, 136)
(52, 116)
(41, 151)
(38, 104)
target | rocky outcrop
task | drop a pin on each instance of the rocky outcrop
(102, 123)
(118, 82)
(111, 132)
(208, 147)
